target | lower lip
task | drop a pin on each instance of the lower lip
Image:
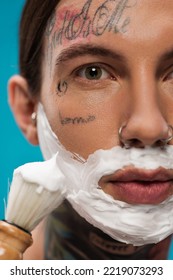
(142, 192)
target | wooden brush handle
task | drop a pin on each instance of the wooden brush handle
(13, 241)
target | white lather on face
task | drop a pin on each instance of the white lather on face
(133, 224)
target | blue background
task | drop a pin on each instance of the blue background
(14, 149)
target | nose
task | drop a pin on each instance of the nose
(141, 132)
(146, 125)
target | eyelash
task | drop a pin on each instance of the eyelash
(167, 77)
(168, 74)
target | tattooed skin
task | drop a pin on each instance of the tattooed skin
(76, 120)
(51, 24)
(50, 27)
(107, 17)
(62, 88)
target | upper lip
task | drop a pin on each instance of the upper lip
(130, 174)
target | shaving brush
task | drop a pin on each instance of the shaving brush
(29, 201)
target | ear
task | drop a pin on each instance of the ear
(22, 106)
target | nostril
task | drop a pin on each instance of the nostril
(136, 135)
(137, 143)
(159, 143)
(129, 143)
(134, 142)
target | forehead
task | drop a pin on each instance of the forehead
(100, 14)
(125, 22)
(103, 7)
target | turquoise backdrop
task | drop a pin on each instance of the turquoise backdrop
(14, 149)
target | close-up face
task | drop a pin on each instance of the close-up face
(103, 73)
(108, 64)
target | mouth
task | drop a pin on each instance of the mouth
(138, 186)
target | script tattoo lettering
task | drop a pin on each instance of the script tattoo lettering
(107, 17)
(50, 26)
(77, 23)
(104, 20)
(76, 120)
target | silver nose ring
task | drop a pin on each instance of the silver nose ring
(125, 143)
(163, 141)
(170, 135)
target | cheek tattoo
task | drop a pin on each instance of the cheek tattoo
(76, 120)
(62, 88)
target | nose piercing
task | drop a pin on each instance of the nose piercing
(125, 143)
(163, 141)
(170, 135)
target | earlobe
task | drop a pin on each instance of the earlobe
(22, 106)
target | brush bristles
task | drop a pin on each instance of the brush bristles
(29, 203)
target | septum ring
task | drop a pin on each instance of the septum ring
(127, 143)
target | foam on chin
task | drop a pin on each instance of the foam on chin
(133, 224)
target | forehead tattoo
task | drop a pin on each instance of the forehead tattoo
(108, 16)
(68, 24)
(51, 24)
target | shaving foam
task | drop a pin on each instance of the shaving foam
(36, 190)
(132, 224)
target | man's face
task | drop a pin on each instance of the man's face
(108, 64)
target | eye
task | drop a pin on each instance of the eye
(93, 72)
(169, 76)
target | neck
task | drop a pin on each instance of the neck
(83, 241)
(157, 251)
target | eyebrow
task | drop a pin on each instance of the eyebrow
(78, 50)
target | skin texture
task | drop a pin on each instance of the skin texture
(135, 88)
(141, 83)
(130, 44)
